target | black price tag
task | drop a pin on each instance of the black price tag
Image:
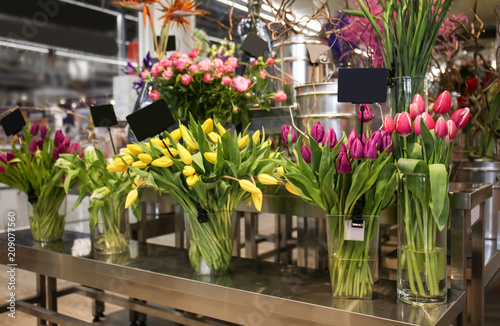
(253, 45)
(103, 116)
(362, 85)
(13, 122)
(150, 120)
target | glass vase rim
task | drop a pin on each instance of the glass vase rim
(415, 173)
(350, 215)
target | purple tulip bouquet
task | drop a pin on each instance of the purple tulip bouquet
(352, 178)
(30, 167)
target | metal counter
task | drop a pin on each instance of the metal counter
(252, 293)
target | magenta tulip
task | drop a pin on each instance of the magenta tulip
(306, 153)
(58, 138)
(35, 128)
(461, 117)
(343, 148)
(343, 164)
(356, 149)
(39, 144)
(377, 139)
(43, 132)
(452, 129)
(389, 125)
(403, 124)
(370, 151)
(429, 121)
(387, 143)
(73, 148)
(285, 131)
(352, 135)
(55, 154)
(318, 132)
(414, 111)
(2, 169)
(3, 158)
(443, 103)
(10, 155)
(441, 128)
(419, 101)
(367, 114)
(331, 137)
(32, 147)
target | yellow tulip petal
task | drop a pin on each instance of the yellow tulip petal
(192, 180)
(139, 165)
(291, 189)
(176, 134)
(256, 137)
(214, 137)
(131, 198)
(127, 158)
(221, 129)
(116, 167)
(247, 185)
(266, 143)
(159, 143)
(186, 134)
(163, 162)
(184, 154)
(137, 180)
(145, 158)
(125, 151)
(281, 171)
(135, 149)
(191, 146)
(208, 126)
(211, 157)
(267, 179)
(243, 142)
(257, 201)
(188, 170)
(172, 150)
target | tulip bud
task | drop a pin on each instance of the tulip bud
(58, 138)
(370, 150)
(139, 165)
(306, 153)
(116, 167)
(387, 143)
(192, 180)
(318, 132)
(419, 101)
(159, 142)
(356, 149)
(214, 137)
(221, 129)
(32, 147)
(163, 162)
(416, 125)
(403, 124)
(145, 158)
(291, 189)
(169, 151)
(377, 139)
(367, 113)
(176, 134)
(461, 117)
(35, 127)
(414, 111)
(2, 169)
(280, 170)
(242, 143)
(443, 103)
(208, 126)
(73, 148)
(43, 132)
(352, 136)
(343, 164)
(3, 158)
(135, 149)
(256, 137)
(452, 129)
(184, 154)
(389, 125)
(285, 131)
(343, 148)
(100, 193)
(257, 201)
(188, 170)
(127, 158)
(211, 157)
(267, 179)
(331, 137)
(441, 128)
(429, 121)
(249, 186)
(131, 198)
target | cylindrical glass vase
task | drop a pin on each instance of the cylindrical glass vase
(210, 243)
(421, 245)
(402, 90)
(111, 235)
(47, 218)
(352, 262)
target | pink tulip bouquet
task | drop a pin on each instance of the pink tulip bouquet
(30, 167)
(352, 177)
(208, 88)
(422, 149)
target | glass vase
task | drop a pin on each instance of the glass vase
(352, 263)
(421, 246)
(111, 235)
(402, 90)
(210, 243)
(47, 217)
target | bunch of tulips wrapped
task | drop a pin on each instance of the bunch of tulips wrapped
(351, 177)
(209, 172)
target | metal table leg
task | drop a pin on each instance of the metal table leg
(477, 286)
(41, 290)
(52, 296)
(250, 233)
(179, 226)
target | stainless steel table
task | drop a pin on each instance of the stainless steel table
(252, 293)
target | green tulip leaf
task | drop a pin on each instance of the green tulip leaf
(415, 151)
(198, 161)
(439, 202)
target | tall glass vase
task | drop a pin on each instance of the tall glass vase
(352, 263)
(47, 217)
(402, 90)
(421, 246)
(210, 242)
(111, 235)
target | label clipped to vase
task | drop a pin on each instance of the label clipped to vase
(254, 45)
(354, 231)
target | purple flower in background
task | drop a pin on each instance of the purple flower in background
(352, 135)
(343, 164)
(343, 148)
(306, 153)
(285, 131)
(11, 156)
(55, 154)
(147, 62)
(39, 144)
(387, 142)
(370, 149)
(137, 85)
(75, 147)
(2, 169)
(356, 149)
(377, 139)
(3, 158)
(331, 137)
(58, 138)
(32, 147)
(130, 70)
(43, 132)
(35, 128)
(367, 113)
(318, 132)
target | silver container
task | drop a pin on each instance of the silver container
(318, 102)
(483, 172)
(294, 66)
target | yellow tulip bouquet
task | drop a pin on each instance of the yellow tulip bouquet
(209, 172)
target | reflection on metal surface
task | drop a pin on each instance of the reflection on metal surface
(81, 247)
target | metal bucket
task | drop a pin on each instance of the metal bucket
(483, 172)
(327, 110)
(294, 66)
